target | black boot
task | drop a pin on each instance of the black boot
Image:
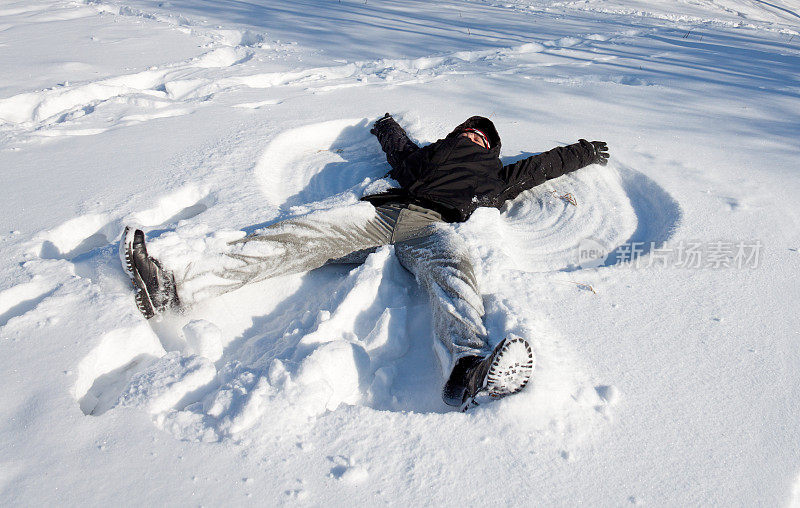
(504, 372)
(155, 287)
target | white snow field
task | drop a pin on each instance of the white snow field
(660, 292)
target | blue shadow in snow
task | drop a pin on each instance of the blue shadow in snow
(658, 216)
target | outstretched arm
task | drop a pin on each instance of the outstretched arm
(527, 173)
(397, 146)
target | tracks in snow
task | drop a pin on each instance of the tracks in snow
(88, 233)
(22, 299)
(179, 88)
(240, 60)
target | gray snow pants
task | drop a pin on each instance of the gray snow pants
(424, 244)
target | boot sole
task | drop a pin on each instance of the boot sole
(511, 368)
(141, 296)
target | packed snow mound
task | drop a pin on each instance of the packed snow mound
(106, 370)
(203, 339)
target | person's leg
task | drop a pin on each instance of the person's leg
(441, 263)
(394, 141)
(291, 246)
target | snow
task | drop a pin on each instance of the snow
(660, 379)
(203, 338)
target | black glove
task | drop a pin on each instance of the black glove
(377, 124)
(599, 151)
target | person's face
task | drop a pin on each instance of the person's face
(475, 138)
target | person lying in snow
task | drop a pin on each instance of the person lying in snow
(440, 183)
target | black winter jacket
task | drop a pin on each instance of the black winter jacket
(455, 176)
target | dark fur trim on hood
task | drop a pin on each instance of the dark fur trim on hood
(482, 124)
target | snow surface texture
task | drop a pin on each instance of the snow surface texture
(655, 384)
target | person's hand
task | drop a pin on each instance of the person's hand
(599, 149)
(378, 122)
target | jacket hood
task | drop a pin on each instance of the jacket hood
(482, 124)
